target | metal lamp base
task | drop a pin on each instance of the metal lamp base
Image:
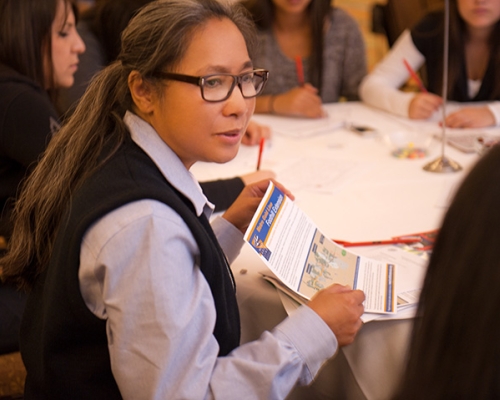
(442, 164)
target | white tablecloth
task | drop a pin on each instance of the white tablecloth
(354, 189)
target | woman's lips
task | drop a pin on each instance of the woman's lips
(232, 136)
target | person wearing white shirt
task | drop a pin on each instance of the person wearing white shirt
(473, 73)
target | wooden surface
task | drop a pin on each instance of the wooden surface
(12, 374)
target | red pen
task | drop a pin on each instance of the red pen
(300, 70)
(376, 242)
(261, 149)
(415, 76)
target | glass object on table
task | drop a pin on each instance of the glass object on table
(408, 144)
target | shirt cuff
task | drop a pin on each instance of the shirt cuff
(230, 238)
(311, 337)
(495, 110)
(400, 104)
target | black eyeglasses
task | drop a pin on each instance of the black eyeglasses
(218, 87)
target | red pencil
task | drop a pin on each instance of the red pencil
(300, 70)
(376, 242)
(261, 149)
(415, 76)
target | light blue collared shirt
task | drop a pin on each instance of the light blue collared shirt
(139, 271)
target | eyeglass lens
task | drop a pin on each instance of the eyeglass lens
(219, 87)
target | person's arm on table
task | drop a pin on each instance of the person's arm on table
(380, 88)
(475, 117)
(223, 192)
(255, 132)
(494, 107)
(301, 101)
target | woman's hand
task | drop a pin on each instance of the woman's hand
(470, 117)
(302, 101)
(341, 308)
(423, 105)
(254, 133)
(252, 177)
(240, 213)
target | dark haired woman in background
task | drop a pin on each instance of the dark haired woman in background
(39, 49)
(474, 67)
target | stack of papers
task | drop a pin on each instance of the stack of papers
(301, 127)
(466, 140)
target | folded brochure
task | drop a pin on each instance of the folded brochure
(306, 261)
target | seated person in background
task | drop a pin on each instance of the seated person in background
(100, 27)
(39, 50)
(474, 67)
(84, 5)
(315, 54)
(454, 348)
(131, 291)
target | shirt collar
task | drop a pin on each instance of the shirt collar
(169, 164)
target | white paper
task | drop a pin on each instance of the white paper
(301, 127)
(319, 174)
(306, 261)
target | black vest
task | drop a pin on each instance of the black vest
(64, 346)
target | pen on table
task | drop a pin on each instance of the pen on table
(415, 76)
(261, 149)
(376, 242)
(300, 70)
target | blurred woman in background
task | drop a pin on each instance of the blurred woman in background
(39, 53)
(314, 51)
(473, 70)
(454, 349)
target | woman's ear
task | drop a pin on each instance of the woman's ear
(142, 94)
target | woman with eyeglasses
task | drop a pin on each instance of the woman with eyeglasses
(100, 27)
(131, 293)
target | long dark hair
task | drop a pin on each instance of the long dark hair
(155, 40)
(25, 37)
(458, 38)
(262, 12)
(454, 349)
(108, 19)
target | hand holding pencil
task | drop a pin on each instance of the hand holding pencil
(261, 149)
(424, 104)
(301, 101)
(300, 70)
(254, 133)
(422, 107)
(415, 77)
